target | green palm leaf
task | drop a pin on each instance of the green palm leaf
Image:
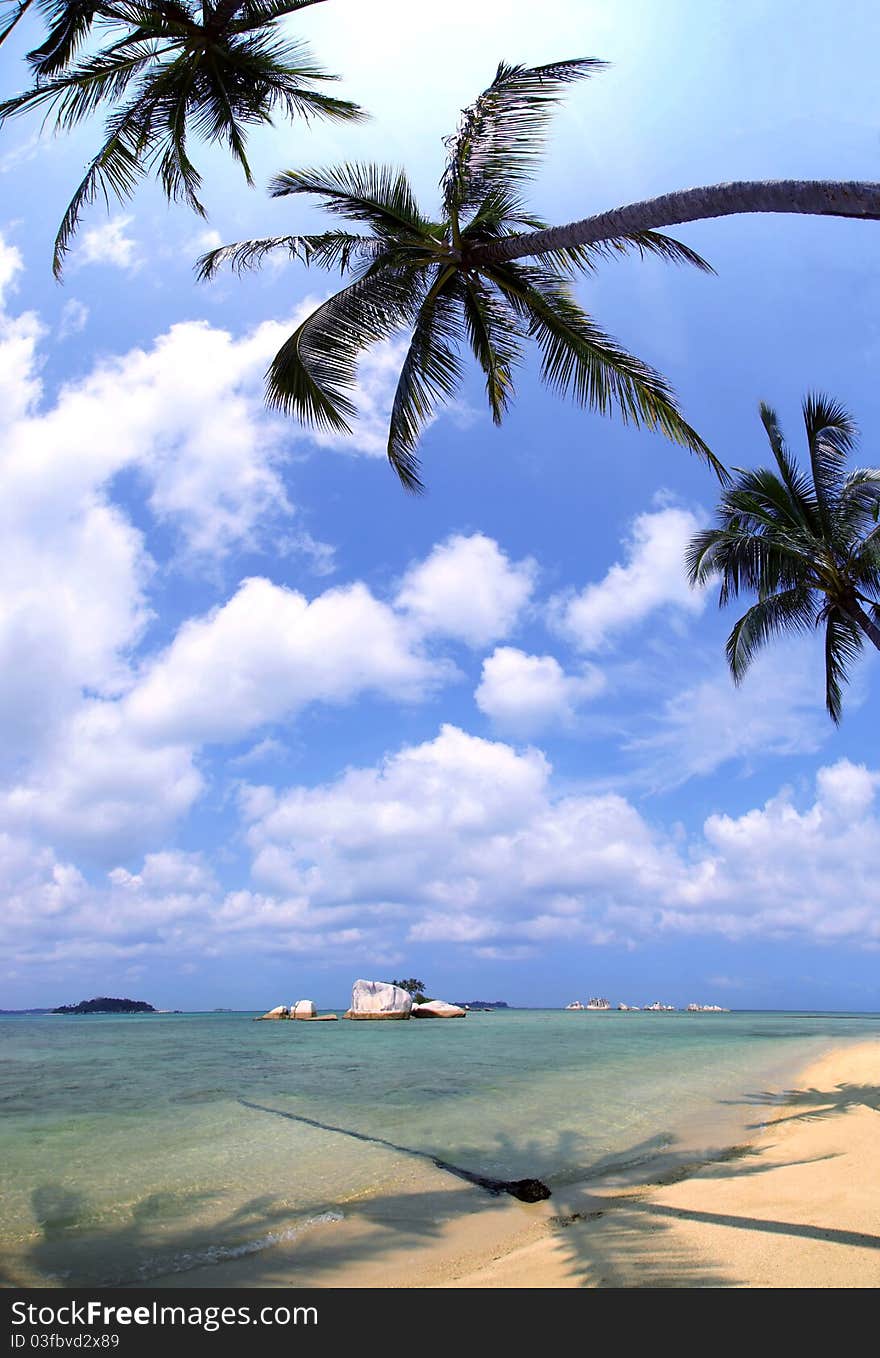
(843, 646)
(580, 360)
(314, 370)
(792, 610)
(500, 138)
(431, 372)
(377, 195)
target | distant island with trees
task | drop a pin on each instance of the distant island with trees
(105, 1004)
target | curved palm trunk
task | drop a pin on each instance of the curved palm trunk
(816, 197)
(867, 624)
(23, 8)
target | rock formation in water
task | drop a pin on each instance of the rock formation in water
(379, 1000)
(438, 1009)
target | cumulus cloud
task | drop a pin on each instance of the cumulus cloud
(466, 843)
(469, 838)
(268, 652)
(109, 244)
(651, 577)
(467, 589)
(528, 693)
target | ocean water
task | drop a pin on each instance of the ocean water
(133, 1148)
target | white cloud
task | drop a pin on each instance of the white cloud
(468, 839)
(652, 576)
(778, 710)
(109, 244)
(464, 842)
(467, 589)
(527, 693)
(268, 652)
(74, 318)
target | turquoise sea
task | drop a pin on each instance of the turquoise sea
(133, 1149)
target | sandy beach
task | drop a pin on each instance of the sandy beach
(794, 1204)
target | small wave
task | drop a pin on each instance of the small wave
(218, 1254)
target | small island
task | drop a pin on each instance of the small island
(105, 1004)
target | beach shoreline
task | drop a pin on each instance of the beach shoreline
(794, 1203)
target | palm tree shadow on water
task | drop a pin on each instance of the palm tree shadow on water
(606, 1229)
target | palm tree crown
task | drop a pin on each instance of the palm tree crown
(808, 544)
(419, 273)
(167, 68)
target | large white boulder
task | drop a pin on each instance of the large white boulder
(379, 999)
(304, 1009)
(438, 1009)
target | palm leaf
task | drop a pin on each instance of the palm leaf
(316, 367)
(71, 22)
(329, 249)
(801, 496)
(431, 372)
(579, 359)
(492, 332)
(115, 170)
(791, 610)
(843, 645)
(831, 435)
(500, 137)
(378, 195)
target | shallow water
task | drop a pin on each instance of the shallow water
(134, 1147)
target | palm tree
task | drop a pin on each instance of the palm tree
(167, 68)
(453, 280)
(807, 544)
(416, 272)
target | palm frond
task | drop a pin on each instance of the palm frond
(763, 497)
(76, 94)
(831, 436)
(500, 137)
(378, 195)
(843, 645)
(431, 372)
(115, 171)
(316, 367)
(495, 341)
(259, 14)
(71, 23)
(328, 249)
(801, 495)
(744, 561)
(791, 610)
(579, 359)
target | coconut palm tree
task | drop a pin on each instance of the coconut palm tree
(807, 543)
(453, 279)
(168, 68)
(416, 272)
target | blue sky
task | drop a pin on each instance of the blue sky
(269, 724)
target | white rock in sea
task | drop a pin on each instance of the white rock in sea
(438, 1009)
(304, 1009)
(379, 1000)
(280, 1011)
